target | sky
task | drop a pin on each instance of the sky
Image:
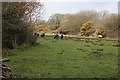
(75, 6)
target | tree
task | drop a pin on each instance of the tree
(55, 21)
(74, 21)
(110, 25)
(16, 27)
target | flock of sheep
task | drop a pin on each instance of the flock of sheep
(56, 36)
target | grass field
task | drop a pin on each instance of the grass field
(67, 58)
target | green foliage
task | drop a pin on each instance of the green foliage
(16, 30)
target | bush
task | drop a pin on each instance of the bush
(86, 28)
(65, 31)
(100, 32)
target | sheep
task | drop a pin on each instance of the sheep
(42, 35)
(56, 36)
(100, 36)
(36, 34)
(61, 36)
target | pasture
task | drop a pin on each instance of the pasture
(67, 58)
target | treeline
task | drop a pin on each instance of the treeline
(73, 22)
(17, 21)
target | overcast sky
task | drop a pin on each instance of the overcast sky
(74, 6)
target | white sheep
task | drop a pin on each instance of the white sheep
(100, 36)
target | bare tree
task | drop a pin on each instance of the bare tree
(55, 21)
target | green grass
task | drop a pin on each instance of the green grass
(68, 58)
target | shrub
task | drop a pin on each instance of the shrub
(86, 28)
(100, 32)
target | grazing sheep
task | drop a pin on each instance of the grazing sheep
(36, 34)
(61, 36)
(42, 35)
(56, 36)
(100, 36)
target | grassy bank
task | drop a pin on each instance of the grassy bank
(67, 58)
